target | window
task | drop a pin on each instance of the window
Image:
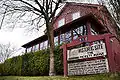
(83, 30)
(35, 48)
(62, 38)
(75, 34)
(80, 31)
(29, 49)
(61, 22)
(41, 45)
(75, 15)
(93, 32)
(68, 37)
(56, 40)
(45, 44)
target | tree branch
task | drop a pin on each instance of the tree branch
(56, 7)
(31, 6)
(41, 7)
(3, 17)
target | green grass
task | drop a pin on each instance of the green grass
(88, 77)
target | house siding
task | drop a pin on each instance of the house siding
(103, 17)
(99, 11)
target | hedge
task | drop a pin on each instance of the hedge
(1, 69)
(32, 64)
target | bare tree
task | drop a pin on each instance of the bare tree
(6, 51)
(35, 13)
(115, 9)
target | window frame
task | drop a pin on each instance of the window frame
(61, 22)
(75, 15)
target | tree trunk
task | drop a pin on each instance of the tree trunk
(50, 35)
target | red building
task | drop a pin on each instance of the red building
(89, 38)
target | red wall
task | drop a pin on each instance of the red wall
(99, 11)
(103, 16)
(116, 51)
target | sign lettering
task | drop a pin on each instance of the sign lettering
(87, 52)
(88, 67)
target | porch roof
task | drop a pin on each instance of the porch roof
(67, 27)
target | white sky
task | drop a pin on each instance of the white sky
(17, 37)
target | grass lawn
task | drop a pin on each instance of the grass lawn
(89, 77)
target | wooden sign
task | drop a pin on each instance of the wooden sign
(95, 50)
(88, 67)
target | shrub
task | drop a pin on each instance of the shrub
(58, 61)
(1, 69)
(12, 66)
(33, 64)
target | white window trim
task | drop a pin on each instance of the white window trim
(61, 22)
(41, 45)
(29, 49)
(46, 44)
(75, 15)
(56, 40)
(37, 47)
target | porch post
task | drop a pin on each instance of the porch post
(65, 59)
(59, 37)
(88, 24)
(39, 46)
(110, 56)
(25, 50)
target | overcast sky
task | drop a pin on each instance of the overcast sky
(17, 37)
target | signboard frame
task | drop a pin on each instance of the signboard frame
(91, 51)
(90, 38)
(87, 67)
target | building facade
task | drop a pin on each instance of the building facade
(88, 34)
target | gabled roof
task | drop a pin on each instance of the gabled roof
(65, 28)
(75, 4)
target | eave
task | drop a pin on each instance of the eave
(67, 27)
